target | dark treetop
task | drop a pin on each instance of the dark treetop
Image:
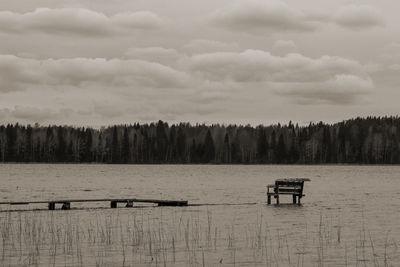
(372, 140)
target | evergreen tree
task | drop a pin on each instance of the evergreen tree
(125, 148)
(88, 148)
(49, 145)
(115, 149)
(262, 146)
(171, 154)
(135, 149)
(181, 145)
(209, 148)
(28, 144)
(226, 150)
(193, 152)
(161, 142)
(326, 144)
(281, 150)
(272, 143)
(370, 140)
(293, 156)
(11, 137)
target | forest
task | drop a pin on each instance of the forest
(370, 140)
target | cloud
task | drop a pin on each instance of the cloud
(107, 110)
(284, 47)
(330, 79)
(172, 111)
(342, 89)
(208, 46)
(137, 20)
(275, 16)
(4, 113)
(258, 65)
(116, 89)
(390, 54)
(358, 17)
(161, 55)
(77, 21)
(34, 114)
(394, 67)
(18, 73)
(257, 15)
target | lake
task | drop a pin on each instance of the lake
(349, 216)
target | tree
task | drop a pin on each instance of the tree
(61, 146)
(281, 150)
(293, 156)
(87, 151)
(226, 150)
(327, 146)
(115, 149)
(181, 145)
(193, 152)
(125, 148)
(161, 142)
(49, 146)
(272, 146)
(28, 144)
(135, 149)
(262, 146)
(11, 137)
(362, 140)
(209, 148)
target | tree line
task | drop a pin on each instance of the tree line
(370, 140)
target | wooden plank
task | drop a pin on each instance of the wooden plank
(17, 203)
(289, 184)
(296, 194)
(285, 190)
(293, 180)
(125, 200)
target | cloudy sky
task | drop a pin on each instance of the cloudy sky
(213, 61)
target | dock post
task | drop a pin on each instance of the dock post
(52, 205)
(269, 200)
(277, 199)
(294, 199)
(113, 204)
(129, 204)
(66, 206)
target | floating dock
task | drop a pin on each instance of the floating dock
(66, 204)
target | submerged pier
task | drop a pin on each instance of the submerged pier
(66, 204)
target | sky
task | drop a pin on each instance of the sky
(97, 63)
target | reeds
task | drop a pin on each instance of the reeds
(184, 237)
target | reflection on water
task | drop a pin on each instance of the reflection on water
(349, 216)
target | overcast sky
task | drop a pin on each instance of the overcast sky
(104, 62)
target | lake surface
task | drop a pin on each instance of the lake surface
(350, 216)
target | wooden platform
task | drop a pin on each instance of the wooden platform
(66, 203)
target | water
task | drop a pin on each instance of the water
(349, 216)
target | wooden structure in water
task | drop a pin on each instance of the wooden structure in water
(66, 204)
(287, 186)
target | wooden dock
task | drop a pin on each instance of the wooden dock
(66, 203)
